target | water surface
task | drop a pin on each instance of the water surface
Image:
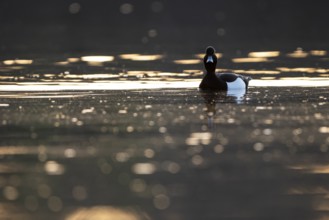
(129, 136)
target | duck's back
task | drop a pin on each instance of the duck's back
(234, 81)
(227, 77)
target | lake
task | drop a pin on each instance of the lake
(129, 136)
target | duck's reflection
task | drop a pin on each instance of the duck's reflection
(213, 97)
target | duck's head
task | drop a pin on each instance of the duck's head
(210, 59)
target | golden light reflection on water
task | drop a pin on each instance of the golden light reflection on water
(250, 60)
(8, 62)
(298, 53)
(319, 194)
(318, 52)
(17, 62)
(140, 57)
(73, 60)
(105, 212)
(62, 63)
(165, 74)
(91, 76)
(305, 191)
(97, 59)
(324, 130)
(196, 73)
(152, 79)
(265, 54)
(10, 150)
(198, 138)
(105, 85)
(6, 77)
(129, 56)
(141, 74)
(46, 94)
(11, 68)
(188, 61)
(291, 81)
(257, 71)
(156, 83)
(268, 78)
(149, 74)
(312, 168)
(303, 69)
(143, 168)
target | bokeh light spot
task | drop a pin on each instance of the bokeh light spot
(79, 193)
(55, 204)
(126, 8)
(156, 6)
(161, 201)
(74, 8)
(10, 193)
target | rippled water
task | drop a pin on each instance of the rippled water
(129, 136)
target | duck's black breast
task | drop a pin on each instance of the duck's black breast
(227, 77)
(212, 82)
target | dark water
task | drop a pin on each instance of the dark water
(131, 137)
